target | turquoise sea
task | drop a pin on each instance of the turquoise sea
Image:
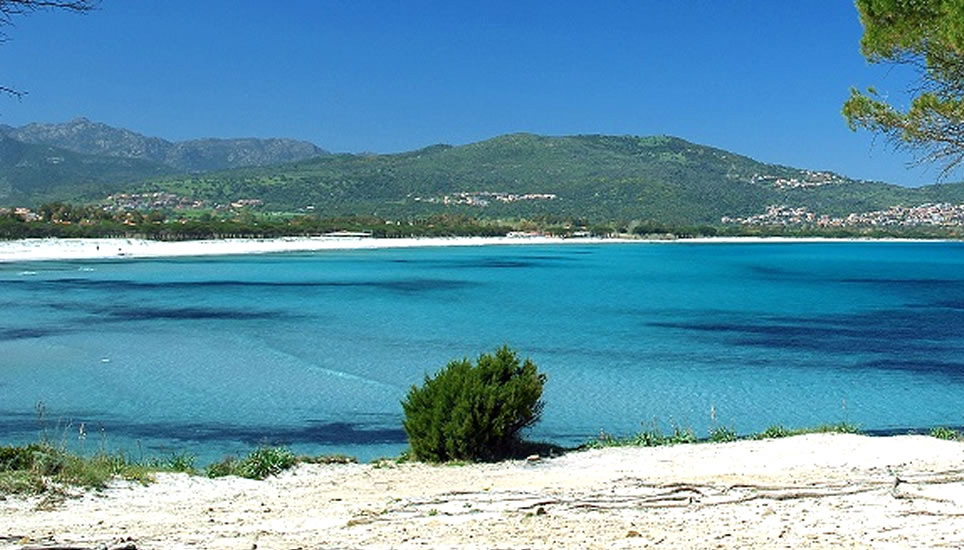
(216, 355)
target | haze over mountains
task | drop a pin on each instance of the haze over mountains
(595, 177)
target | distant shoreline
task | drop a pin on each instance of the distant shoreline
(61, 249)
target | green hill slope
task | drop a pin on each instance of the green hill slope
(595, 177)
(31, 174)
(598, 177)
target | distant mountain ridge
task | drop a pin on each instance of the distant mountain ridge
(84, 136)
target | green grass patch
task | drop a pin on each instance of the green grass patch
(258, 464)
(720, 434)
(44, 468)
(777, 431)
(645, 438)
(41, 467)
(175, 462)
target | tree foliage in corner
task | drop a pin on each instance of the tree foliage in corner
(474, 412)
(927, 35)
(11, 8)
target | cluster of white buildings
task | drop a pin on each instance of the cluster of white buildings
(247, 203)
(150, 201)
(484, 198)
(776, 215)
(933, 214)
(925, 214)
(122, 202)
(24, 214)
(811, 179)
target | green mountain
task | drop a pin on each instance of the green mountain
(31, 174)
(200, 155)
(592, 176)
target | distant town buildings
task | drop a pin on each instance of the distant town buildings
(168, 201)
(931, 214)
(149, 201)
(24, 214)
(484, 198)
(810, 179)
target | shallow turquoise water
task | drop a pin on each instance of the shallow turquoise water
(216, 355)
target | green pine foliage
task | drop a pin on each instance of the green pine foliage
(474, 411)
(928, 37)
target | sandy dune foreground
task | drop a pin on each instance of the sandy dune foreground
(813, 491)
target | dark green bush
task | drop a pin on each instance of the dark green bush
(36, 457)
(474, 412)
(18, 458)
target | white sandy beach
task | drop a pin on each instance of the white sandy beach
(88, 249)
(814, 491)
(91, 249)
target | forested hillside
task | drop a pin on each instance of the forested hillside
(589, 177)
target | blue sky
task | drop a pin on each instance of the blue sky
(762, 78)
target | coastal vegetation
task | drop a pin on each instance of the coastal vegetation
(655, 437)
(46, 468)
(474, 411)
(68, 220)
(43, 467)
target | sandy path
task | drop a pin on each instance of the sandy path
(814, 491)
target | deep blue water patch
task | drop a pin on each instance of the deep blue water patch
(907, 283)
(15, 424)
(895, 338)
(109, 285)
(490, 262)
(123, 313)
(62, 426)
(27, 333)
(772, 272)
(130, 313)
(918, 365)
